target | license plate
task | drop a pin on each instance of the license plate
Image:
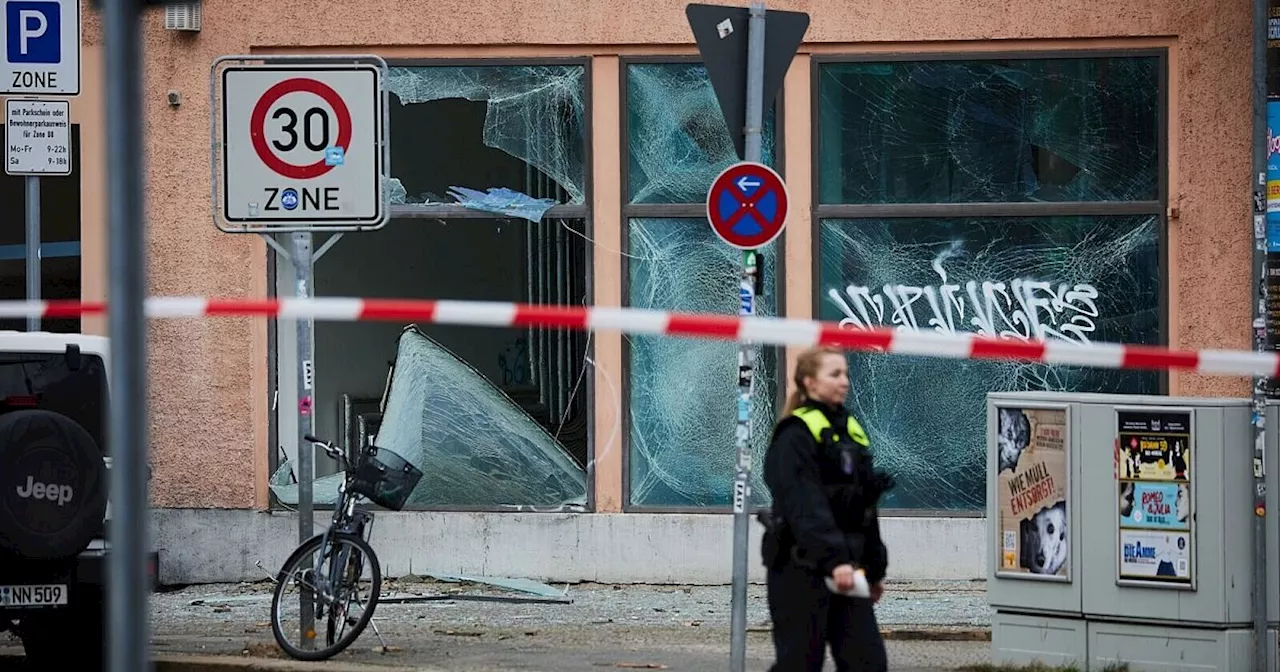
(33, 596)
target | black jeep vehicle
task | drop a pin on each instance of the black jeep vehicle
(53, 497)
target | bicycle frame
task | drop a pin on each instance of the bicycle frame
(346, 518)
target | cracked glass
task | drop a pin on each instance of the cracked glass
(985, 131)
(1052, 129)
(683, 392)
(494, 418)
(1077, 279)
(534, 113)
(474, 446)
(677, 141)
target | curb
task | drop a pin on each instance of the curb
(197, 663)
(936, 634)
(918, 634)
(180, 662)
(192, 663)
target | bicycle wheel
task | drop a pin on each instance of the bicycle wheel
(330, 575)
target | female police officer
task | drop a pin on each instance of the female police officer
(823, 524)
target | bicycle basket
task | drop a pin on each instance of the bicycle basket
(385, 478)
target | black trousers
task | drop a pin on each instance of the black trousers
(807, 617)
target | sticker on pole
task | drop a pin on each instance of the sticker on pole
(303, 147)
(747, 205)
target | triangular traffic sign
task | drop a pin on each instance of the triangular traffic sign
(721, 34)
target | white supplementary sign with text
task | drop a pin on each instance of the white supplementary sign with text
(37, 137)
(42, 47)
(302, 145)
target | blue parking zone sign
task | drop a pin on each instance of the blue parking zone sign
(33, 32)
(41, 47)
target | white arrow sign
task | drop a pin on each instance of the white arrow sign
(745, 183)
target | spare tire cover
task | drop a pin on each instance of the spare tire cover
(52, 485)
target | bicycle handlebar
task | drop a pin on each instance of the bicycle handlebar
(333, 450)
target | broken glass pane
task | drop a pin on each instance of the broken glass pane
(1078, 279)
(503, 201)
(542, 371)
(448, 122)
(683, 392)
(474, 444)
(1057, 129)
(677, 140)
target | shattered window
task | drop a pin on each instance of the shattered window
(495, 418)
(897, 135)
(475, 442)
(521, 127)
(1051, 129)
(677, 141)
(1076, 279)
(683, 392)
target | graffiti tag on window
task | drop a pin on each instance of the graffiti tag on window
(1022, 308)
(514, 362)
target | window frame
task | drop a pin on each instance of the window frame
(630, 211)
(445, 212)
(55, 249)
(1158, 208)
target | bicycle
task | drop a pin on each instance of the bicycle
(382, 477)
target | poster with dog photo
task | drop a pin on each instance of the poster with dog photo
(1031, 476)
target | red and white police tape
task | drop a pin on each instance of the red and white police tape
(764, 330)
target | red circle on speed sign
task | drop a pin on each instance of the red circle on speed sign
(258, 126)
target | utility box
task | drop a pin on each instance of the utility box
(1273, 515)
(1120, 531)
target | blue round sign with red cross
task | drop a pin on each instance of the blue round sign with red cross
(747, 205)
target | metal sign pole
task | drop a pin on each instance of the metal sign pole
(746, 357)
(33, 247)
(1266, 243)
(129, 628)
(37, 143)
(303, 265)
(264, 167)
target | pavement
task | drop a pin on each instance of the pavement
(463, 627)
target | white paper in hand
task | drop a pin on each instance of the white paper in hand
(861, 588)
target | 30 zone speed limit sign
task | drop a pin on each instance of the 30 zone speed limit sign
(303, 147)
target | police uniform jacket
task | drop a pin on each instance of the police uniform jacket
(826, 490)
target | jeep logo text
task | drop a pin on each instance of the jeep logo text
(54, 493)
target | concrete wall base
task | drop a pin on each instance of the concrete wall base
(223, 545)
